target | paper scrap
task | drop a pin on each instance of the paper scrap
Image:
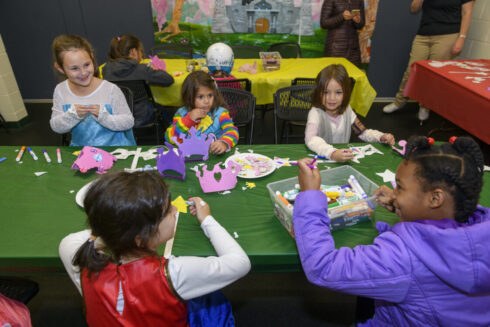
(486, 168)
(225, 192)
(72, 191)
(179, 202)
(250, 185)
(76, 153)
(235, 234)
(39, 173)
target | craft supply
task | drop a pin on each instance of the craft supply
(21, 152)
(58, 155)
(283, 200)
(393, 184)
(46, 155)
(2, 159)
(356, 186)
(32, 153)
(191, 203)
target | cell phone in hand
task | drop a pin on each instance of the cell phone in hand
(355, 12)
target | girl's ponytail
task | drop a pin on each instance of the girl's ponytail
(89, 258)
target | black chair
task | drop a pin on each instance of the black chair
(3, 123)
(238, 83)
(303, 81)
(241, 105)
(19, 289)
(138, 91)
(172, 51)
(291, 105)
(286, 49)
(246, 51)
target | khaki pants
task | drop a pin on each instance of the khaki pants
(433, 47)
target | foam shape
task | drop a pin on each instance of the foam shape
(227, 181)
(195, 145)
(157, 63)
(403, 144)
(91, 157)
(170, 164)
(388, 176)
(180, 204)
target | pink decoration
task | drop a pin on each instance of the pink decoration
(91, 157)
(161, 8)
(403, 144)
(157, 63)
(227, 181)
(195, 145)
(252, 69)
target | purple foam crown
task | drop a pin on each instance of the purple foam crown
(227, 181)
(195, 145)
(171, 164)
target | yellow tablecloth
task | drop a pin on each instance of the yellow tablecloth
(265, 84)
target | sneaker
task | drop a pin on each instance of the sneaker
(423, 113)
(392, 107)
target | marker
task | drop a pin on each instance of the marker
(46, 155)
(283, 200)
(393, 184)
(189, 203)
(21, 152)
(58, 155)
(356, 186)
(2, 159)
(32, 153)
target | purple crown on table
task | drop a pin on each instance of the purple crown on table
(403, 144)
(195, 145)
(227, 181)
(171, 164)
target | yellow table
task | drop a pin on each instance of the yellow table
(265, 84)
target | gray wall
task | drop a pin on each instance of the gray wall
(28, 27)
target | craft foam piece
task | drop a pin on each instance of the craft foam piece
(90, 157)
(157, 63)
(403, 144)
(125, 153)
(39, 173)
(171, 164)
(227, 181)
(387, 175)
(180, 204)
(195, 145)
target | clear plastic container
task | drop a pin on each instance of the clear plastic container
(271, 61)
(341, 216)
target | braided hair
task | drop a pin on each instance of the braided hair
(457, 168)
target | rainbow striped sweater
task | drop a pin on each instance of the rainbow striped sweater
(217, 122)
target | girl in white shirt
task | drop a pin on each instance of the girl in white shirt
(115, 264)
(94, 111)
(331, 119)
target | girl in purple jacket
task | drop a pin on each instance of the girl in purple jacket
(430, 269)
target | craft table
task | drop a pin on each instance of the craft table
(458, 90)
(265, 84)
(37, 212)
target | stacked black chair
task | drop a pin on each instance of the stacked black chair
(138, 91)
(241, 105)
(19, 289)
(172, 51)
(246, 51)
(291, 105)
(238, 83)
(286, 49)
(303, 81)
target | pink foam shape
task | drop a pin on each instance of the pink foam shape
(403, 144)
(227, 181)
(91, 157)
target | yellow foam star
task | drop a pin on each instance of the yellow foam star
(250, 185)
(179, 202)
(76, 153)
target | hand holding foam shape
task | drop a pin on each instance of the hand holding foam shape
(227, 181)
(91, 157)
(171, 164)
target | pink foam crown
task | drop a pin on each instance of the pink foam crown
(195, 145)
(91, 157)
(157, 63)
(171, 164)
(227, 181)
(403, 144)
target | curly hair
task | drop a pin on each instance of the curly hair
(457, 168)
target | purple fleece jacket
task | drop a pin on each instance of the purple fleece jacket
(421, 273)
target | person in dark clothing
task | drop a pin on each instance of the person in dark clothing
(125, 53)
(342, 19)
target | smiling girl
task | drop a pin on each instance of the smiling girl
(94, 111)
(203, 110)
(331, 119)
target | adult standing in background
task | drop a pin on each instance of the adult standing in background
(342, 19)
(441, 36)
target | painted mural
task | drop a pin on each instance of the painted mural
(258, 22)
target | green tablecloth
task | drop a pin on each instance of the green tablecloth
(37, 212)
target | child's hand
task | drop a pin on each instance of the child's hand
(342, 155)
(385, 197)
(93, 109)
(197, 114)
(218, 147)
(81, 110)
(388, 139)
(200, 209)
(309, 179)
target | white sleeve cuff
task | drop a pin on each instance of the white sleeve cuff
(371, 135)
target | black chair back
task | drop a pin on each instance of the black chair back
(241, 105)
(19, 289)
(172, 51)
(291, 105)
(246, 51)
(286, 49)
(238, 83)
(303, 81)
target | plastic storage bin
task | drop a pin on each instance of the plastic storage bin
(340, 216)
(271, 61)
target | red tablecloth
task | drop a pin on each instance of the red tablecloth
(458, 90)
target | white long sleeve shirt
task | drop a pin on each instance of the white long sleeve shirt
(191, 276)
